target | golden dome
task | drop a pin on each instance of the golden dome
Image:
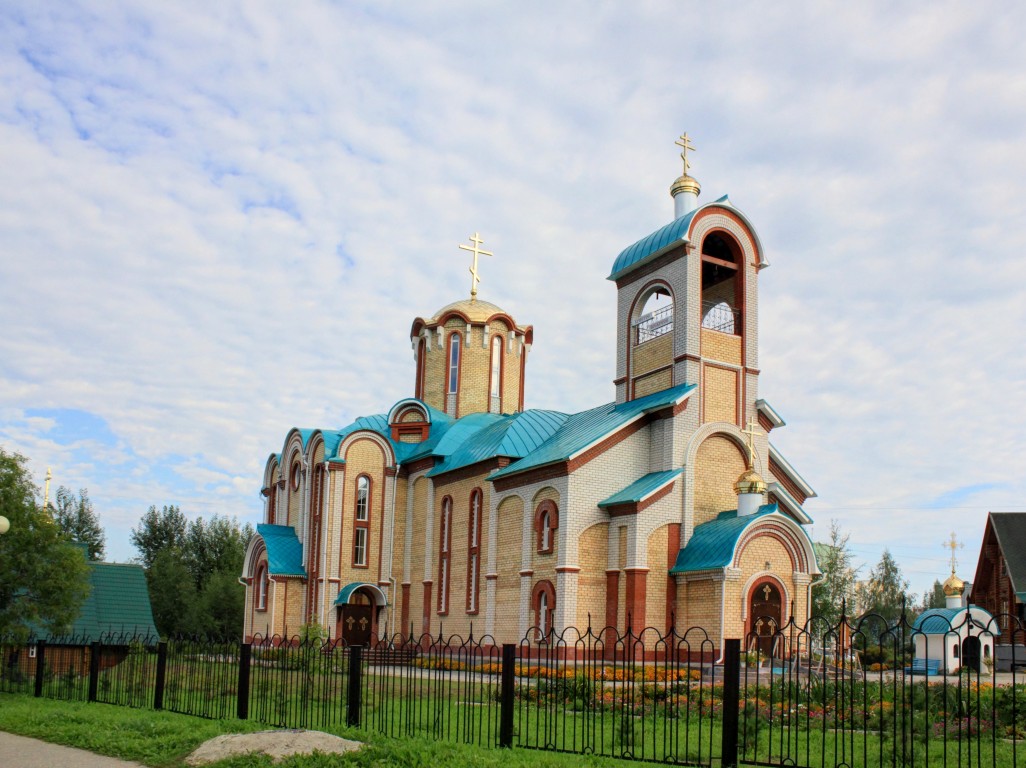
(475, 310)
(953, 586)
(750, 482)
(685, 184)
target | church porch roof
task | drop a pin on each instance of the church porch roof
(641, 488)
(712, 544)
(284, 550)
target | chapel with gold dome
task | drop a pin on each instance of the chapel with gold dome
(461, 507)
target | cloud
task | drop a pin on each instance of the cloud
(218, 223)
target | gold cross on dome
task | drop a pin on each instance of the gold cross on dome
(752, 430)
(953, 543)
(477, 251)
(684, 142)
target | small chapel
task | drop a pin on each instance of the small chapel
(459, 510)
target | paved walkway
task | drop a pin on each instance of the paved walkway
(22, 752)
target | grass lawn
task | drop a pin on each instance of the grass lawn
(164, 739)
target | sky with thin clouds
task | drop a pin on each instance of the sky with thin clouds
(218, 221)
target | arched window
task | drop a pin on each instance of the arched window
(454, 364)
(721, 284)
(263, 583)
(543, 603)
(295, 473)
(361, 521)
(495, 378)
(546, 521)
(656, 316)
(444, 542)
(421, 365)
(474, 551)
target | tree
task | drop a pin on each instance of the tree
(935, 598)
(158, 532)
(886, 593)
(837, 586)
(192, 569)
(76, 518)
(44, 578)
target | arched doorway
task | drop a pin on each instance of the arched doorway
(971, 653)
(765, 607)
(356, 613)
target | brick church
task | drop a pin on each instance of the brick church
(459, 509)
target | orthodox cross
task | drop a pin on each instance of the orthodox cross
(477, 251)
(684, 142)
(752, 430)
(953, 543)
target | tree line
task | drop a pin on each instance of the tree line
(192, 567)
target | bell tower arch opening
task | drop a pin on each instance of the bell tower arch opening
(722, 284)
(651, 340)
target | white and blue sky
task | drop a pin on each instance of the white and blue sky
(218, 220)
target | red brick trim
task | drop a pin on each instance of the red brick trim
(546, 506)
(784, 479)
(420, 429)
(687, 357)
(543, 587)
(619, 381)
(767, 426)
(567, 569)
(599, 448)
(527, 572)
(672, 549)
(491, 577)
(637, 587)
(481, 468)
(421, 464)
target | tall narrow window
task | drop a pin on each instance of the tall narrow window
(362, 492)
(263, 581)
(543, 614)
(454, 363)
(361, 524)
(495, 386)
(474, 552)
(421, 365)
(444, 534)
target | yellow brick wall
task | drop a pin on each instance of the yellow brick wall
(719, 394)
(420, 494)
(699, 603)
(593, 557)
(655, 595)
(363, 457)
(410, 415)
(458, 620)
(724, 347)
(653, 382)
(718, 463)
(511, 376)
(652, 354)
(402, 487)
(508, 561)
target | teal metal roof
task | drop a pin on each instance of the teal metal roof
(118, 604)
(712, 544)
(581, 430)
(940, 621)
(642, 488)
(664, 238)
(510, 435)
(347, 592)
(284, 552)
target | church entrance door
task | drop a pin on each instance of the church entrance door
(971, 653)
(764, 617)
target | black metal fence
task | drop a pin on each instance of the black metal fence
(863, 693)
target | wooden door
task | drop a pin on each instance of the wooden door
(764, 616)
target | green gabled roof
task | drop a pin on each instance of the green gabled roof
(581, 430)
(509, 435)
(284, 551)
(118, 605)
(712, 544)
(660, 241)
(641, 488)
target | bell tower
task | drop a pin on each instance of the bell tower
(687, 305)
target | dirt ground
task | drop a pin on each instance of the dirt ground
(277, 744)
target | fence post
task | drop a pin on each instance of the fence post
(40, 666)
(158, 692)
(731, 701)
(242, 700)
(94, 668)
(509, 660)
(353, 696)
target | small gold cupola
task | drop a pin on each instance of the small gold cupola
(953, 586)
(685, 189)
(750, 487)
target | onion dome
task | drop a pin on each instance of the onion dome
(953, 586)
(750, 481)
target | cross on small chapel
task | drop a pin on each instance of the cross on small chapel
(684, 142)
(953, 543)
(752, 430)
(477, 251)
